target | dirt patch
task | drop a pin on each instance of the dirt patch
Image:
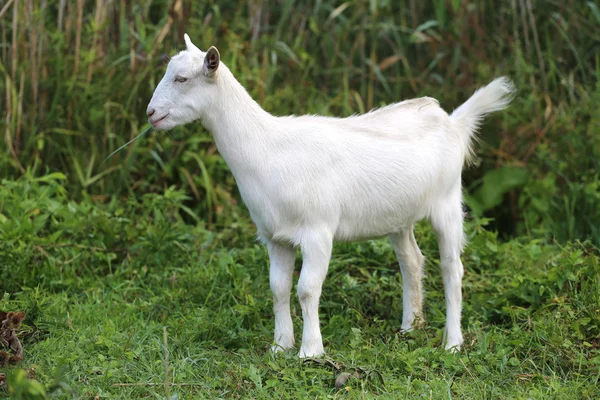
(11, 350)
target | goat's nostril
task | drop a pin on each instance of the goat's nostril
(150, 112)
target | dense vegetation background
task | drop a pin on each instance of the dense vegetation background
(101, 256)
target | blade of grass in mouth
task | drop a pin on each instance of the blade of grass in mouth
(128, 143)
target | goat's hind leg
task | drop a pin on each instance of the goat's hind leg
(447, 221)
(411, 266)
(281, 271)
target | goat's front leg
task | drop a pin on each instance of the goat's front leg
(282, 260)
(316, 253)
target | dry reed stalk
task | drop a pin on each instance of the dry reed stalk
(254, 18)
(33, 41)
(516, 38)
(130, 27)
(7, 136)
(97, 40)
(43, 73)
(41, 33)
(78, 28)
(103, 39)
(13, 71)
(523, 13)
(178, 10)
(373, 60)
(538, 49)
(7, 94)
(5, 7)
(161, 35)
(3, 38)
(131, 46)
(116, 24)
(61, 13)
(125, 15)
(190, 181)
(413, 14)
(479, 28)
(371, 79)
(68, 25)
(360, 40)
(263, 75)
(8, 110)
(19, 116)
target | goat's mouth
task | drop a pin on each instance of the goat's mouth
(157, 121)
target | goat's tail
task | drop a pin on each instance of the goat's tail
(494, 97)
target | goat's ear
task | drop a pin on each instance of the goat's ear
(211, 60)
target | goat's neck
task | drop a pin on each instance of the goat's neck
(238, 124)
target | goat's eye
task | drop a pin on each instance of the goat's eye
(180, 79)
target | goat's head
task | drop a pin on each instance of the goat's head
(188, 86)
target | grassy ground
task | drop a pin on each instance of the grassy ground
(90, 69)
(103, 315)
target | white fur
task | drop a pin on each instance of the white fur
(310, 180)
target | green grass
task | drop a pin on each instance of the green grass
(84, 92)
(99, 283)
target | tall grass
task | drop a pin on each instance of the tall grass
(76, 77)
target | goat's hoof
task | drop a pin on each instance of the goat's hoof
(417, 323)
(453, 346)
(454, 349)
(278, 348)
(406, 330)
(309, 353)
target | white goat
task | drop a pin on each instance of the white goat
(310, 180)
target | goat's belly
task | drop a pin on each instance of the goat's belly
(378, 220)
(285, 231)
(281, 217)
(373, 229)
